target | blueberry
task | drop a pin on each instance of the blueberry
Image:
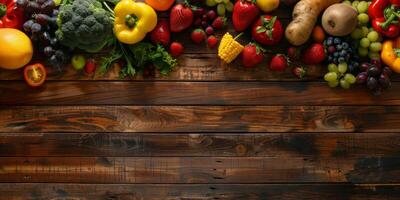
(330, 58)
(339, 47)
(351, 67)
(335, 60)
(337, 41)
(329, 41)
(336, 54)
(345, 45)
(356, 64)
(343, 53)
(324, 43)
(341, 59)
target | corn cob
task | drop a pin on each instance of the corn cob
(229, 48)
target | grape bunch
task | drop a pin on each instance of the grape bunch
(338, 75)
(340, 51)
(367, 40)
(223, 6)
(41, 27)
(375, 76)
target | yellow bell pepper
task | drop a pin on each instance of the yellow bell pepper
(390, 54)
(133, 20)
(229, 48)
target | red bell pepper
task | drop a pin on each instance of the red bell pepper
(384, 15)
(10, 15)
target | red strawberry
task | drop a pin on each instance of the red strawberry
(267, 30)
(90, 66)
(299, 72)
(278, 63)
(181, 18)
(212, 42)
(198, 36)
(293, 53)
(244, 14)
(176, 49)
(219, 23)
(252, 55)
(314, 54)
(161, 34)
(209, 30)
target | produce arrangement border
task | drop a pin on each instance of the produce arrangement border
(357, 41)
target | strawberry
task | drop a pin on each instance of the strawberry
(267, 30)
(90, 66)
(293, 53)
(209, 30)
(176, 49)
(161, 34)
(278, 63)
(219, 23)
(252, 55)
(314, 54)
(212, 42)
(299, 72)
(198, 36)
(181, 18)
(244, 14)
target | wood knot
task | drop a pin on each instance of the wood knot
(241, 149)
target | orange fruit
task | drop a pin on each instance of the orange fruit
(318, 34)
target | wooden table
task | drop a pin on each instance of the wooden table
(207, 131)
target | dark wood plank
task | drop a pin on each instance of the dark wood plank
(289, 145)
(191, 93)
(198, 191)
(199, 170)
(199, 119)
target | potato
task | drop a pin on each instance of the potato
(305, 15)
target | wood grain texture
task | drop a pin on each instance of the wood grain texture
(198, 170)
(287, 145)
(199, 191)
(199, 119)
(190, 93)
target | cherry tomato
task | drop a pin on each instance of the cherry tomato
(35, 75)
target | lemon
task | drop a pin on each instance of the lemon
(16, 49)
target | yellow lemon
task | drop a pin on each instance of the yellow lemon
(268, 5)
(16, 49)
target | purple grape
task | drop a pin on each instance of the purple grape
(365, 66)
(28, 25)
(22, 3)
(372, 83)
(41, 19)
(48, 51)
(47, 7)
(384, 82)
(377, 63)
(331, 49)
(374, 71)
(387, 71)
(41, 1)
(362, 78)
(32, 7)
(36, 28)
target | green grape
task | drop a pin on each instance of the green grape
(362, 51)
(333, 68)
(375, 47)
(347, 2)
(374, 55)
(350, 78)
(362, 7)
(373, 36)
(365, 43)
(363, 18)
(355, 4)
(211, 3)
(365, 31)
(357, 34)
(330, 76)
(342, 67)
(333, 84)
(221, 9)
(229, 6)
(344, 84)
(218, 1)
(226, 1)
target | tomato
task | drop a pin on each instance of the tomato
(16, 48)
(35, 75)
(160, 5)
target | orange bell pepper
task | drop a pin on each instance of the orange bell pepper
(160, 5)
(390, 54)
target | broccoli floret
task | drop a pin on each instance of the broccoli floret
(84, 24)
